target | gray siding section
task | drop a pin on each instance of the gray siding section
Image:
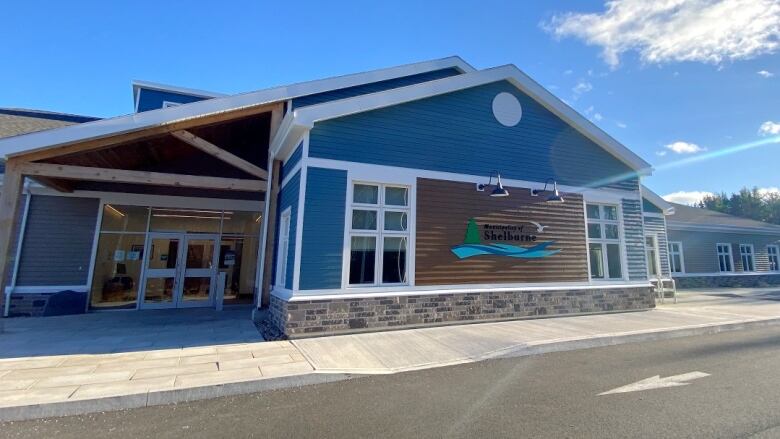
(657, 226)
(635, 239)
(57, 246)
(701, 256)
(457, 132)
(323, 229)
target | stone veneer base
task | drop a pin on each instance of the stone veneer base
(740, 281)
(337, 316)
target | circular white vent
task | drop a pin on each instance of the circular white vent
(507, 109)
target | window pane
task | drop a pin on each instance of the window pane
(362, 260)
(613, 261)
(117, 270)
(364, 219)
(594, 230)
(596, 261)
(395, 221)
(241, 223)
(238, 260)
(396, 196)
(652, 263)
(185, 220)
(610, 213)
(593, 211)
(365, 194)
(117, 218)
(394, 261)
(676, 263)
(611, 231)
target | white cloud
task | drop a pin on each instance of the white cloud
(765, 73)
(568, 72)
(661, 153)
(621, 125)
(684, 148)
(708, 31)
(769, 190)
(582, 87)
(769, 128)
(686, 197)
(597, 116)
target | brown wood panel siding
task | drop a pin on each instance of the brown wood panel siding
(443, 211)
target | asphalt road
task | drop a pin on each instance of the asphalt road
(552, 395)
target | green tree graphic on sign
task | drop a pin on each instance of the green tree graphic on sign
(472, 233)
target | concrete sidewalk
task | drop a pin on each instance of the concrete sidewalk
(71, 384)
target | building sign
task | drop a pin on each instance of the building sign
(477, 243)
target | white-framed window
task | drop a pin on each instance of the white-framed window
(284, 247)
(747, 255)
(676, 261)
(725, 260)
(604, 246)
(651, 254)
(773, 253)
(378, 224)
(167, 104)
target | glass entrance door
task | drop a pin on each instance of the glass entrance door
(180, 270)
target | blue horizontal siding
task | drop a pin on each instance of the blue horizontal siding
(323, 229)
(633, 229)
(458, 133)
(288, 197)
(294, 159)
(153, 99)
(373, 87)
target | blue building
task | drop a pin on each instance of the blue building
(424, 194)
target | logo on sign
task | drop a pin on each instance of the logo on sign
(473, 241)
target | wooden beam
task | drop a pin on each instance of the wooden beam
(270, 236)
(10, 200)
(69, 172)
(145, 133)
(217, 152)
(277, 114)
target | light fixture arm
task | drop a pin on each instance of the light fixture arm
(536, 192)
(481, 186)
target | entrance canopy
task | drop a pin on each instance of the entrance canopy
(217, 155)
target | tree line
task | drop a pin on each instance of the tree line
(747, 203)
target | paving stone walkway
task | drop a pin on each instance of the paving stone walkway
(141, 354)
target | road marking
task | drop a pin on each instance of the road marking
(657, 382)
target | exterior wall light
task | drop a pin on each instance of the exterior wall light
(554, 198)
(498, 190)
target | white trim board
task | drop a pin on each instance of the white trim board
(308, 116)
(333, 294)
(138, 121)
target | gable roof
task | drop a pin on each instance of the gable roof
(305, 118)
(148, 119)
(694, 218)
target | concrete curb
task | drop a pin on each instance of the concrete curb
(148, 399)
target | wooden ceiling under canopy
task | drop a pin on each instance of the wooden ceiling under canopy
(215, 159)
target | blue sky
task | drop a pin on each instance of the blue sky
(686, 80)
